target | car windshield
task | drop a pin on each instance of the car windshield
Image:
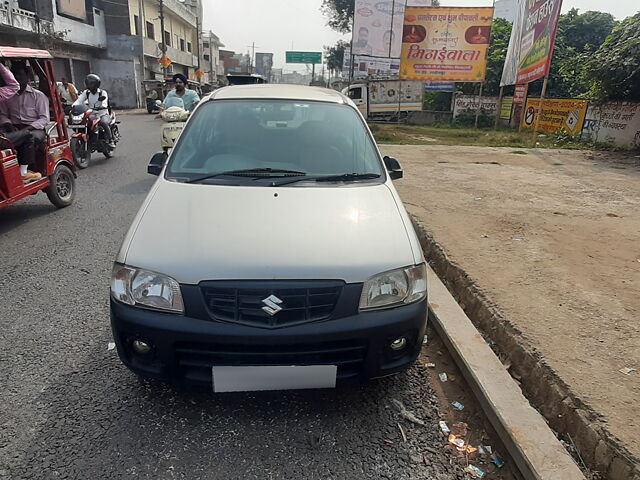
(266, 141)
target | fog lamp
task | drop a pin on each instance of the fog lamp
(398, 344)
(141, 347)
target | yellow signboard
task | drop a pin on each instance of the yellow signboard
(445, 43)
(557, 114)
(505, 108)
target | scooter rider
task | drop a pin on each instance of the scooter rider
(91, 96)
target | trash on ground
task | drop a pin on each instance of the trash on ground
(627, 370)
(406, 414)
(475, 471)
(478, 198)
(388, 442)
(425, 340)
(457, 441)
(484, 235)
(430, 365)
(517, 239)
(485, 450)
(459, 429)
(404, 435)
(497, 460)
(443, 377)
(444, 427)
(111, 346)
(458, 405)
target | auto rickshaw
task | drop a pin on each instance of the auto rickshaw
(54, 159)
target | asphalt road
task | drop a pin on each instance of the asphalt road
(70, 409)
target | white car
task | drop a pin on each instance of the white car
(273, 251)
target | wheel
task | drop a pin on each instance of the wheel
(107, 152)
(62, 189)
(81, 153)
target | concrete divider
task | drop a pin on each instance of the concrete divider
(537, 452)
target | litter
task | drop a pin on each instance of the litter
(443, 377)
(388, 442)
(404, 435)
(430, 365)
(475, 471)
(444, 427)
(627, 370)
(111, 346)
(406, 414)
(457, 441)
(458, 405)
(484, 235)
(497, 460)
(425, 339)
(478, 198)
(460, 429)
(517, 239)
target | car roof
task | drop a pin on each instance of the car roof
(273, 91)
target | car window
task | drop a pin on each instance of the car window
(355, 93)
(311, 137)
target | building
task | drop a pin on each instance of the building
(264, 65)
(276, 75)
(507, 9)
(211, 63)
(137, 33)
(73, 31)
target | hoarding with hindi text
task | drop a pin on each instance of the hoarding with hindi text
(447, 44)
(565, 114)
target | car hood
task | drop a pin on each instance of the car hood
(213, 232)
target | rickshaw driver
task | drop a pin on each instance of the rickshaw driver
(23, 118)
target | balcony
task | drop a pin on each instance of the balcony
(81, 33)
(181, 11)
(152, 49)
(23, 20)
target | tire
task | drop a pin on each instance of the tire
(81, 153)
(62, 190)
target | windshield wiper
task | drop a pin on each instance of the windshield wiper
(251, 172)
(346, 177)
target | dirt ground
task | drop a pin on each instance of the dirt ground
(553, 238)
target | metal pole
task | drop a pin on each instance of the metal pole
(211, 58)
(495, 126)
(142, 61)
(313, 72)
(164, 45)
(542, 96)
(478, 106)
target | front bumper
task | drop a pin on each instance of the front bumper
(184, 349)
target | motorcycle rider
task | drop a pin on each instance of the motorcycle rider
(189, 97)
(92, 96)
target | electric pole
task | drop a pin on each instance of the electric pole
(252, 61)
(164, 43)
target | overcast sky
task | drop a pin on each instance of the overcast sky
(280, 25)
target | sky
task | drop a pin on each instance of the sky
(280, 25)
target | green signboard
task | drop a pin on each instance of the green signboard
(304, 57)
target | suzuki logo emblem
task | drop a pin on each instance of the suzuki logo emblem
(272, 306)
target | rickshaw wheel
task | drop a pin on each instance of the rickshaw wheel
(62, 190)
(80, 152)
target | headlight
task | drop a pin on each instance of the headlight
(396, 287)
(138, 287)
(76, 118)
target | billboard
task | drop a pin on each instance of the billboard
(532, 40)
(303, 57)
(447, 44)
(264, 64)
(377, 26)
(566, 114)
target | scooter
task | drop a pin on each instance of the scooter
(174, 116)
(88, 136)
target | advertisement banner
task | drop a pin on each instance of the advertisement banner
(468, 105)
(446, 43)
(520, 94)
(377, 26)
(439, 86)
(505, 108)
(566, 114)
(510, 70)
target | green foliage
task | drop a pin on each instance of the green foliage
(340, 14)
(335, 55)
(485, 120)
(437, 101)
(615, 67)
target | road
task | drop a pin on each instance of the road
(71, 410)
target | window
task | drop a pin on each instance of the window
(355, 93)
(167, 38)
(205, 44)
(182, 44)
(150, 31)
(189, 47)
(206, 57)
(136, 29)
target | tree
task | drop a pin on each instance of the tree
(340, 13)
(615, 67)
(335, 55)
(586, 30)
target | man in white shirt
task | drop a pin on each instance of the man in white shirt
(98, 100)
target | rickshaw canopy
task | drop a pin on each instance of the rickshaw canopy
(19, 52)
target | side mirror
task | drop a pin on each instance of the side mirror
(393, 167)
(157, 163)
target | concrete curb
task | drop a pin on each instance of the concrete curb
(537, 452)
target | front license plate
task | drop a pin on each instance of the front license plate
(247, 379)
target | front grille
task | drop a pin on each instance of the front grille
(243, 301)
(196, 359)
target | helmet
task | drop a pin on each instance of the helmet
(92, 81)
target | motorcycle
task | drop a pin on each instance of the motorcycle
(88, 136)
(174, 116)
